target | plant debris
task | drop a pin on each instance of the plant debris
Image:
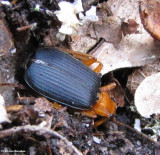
(147, 96)
(149, 11)
(135, 49)
(140, 74)
(4, 117)
(6, 41)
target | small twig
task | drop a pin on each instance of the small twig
(24, 28)
(39, 131)
(57, 125)
(97, 46)
(14, 2)
(25, 100)
(85, 152)
(142, 73)
(13, 85)
(27, 27)
(157, 144)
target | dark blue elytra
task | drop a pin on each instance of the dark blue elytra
(60, 77)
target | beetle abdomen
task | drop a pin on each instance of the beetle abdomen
(62, 78)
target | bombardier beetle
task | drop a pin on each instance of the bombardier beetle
(64, 79)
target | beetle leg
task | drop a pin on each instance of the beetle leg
(104, 106)
(56, 105)
(101, 121)
(79, 55)
(99, 67)
(108, 87)
(87, 59)
(92, 114)
(89, 113)
(82, 56)
(91, 61)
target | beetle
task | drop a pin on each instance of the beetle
(64, 79)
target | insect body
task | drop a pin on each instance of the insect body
(62, 78)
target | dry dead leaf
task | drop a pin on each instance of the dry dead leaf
(117, 94)
(149, 11)
(130, 27)
(44, 108)
(134, 49)
(88, 34)
(82, 43)
(43, 105)
(147, 96)
(140, 74)
(108, 29)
